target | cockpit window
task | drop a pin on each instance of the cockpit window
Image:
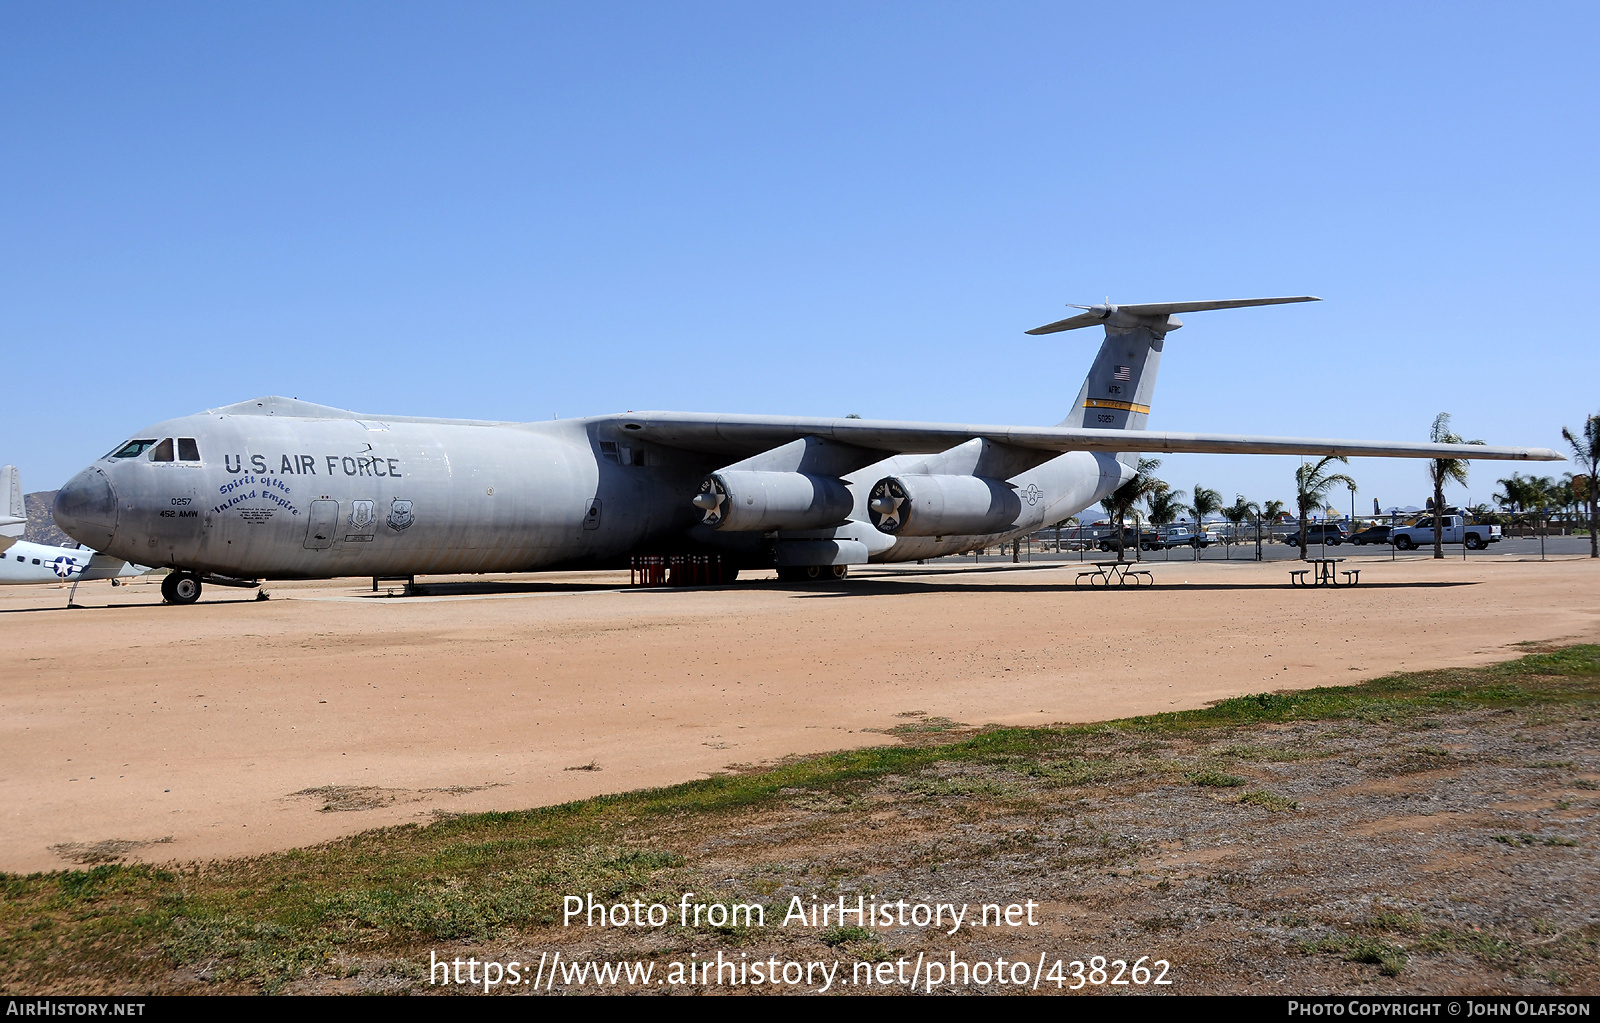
(163, 451)
(133, 449)
(188, 450)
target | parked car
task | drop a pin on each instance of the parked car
(1319, 532)
(1477, 535)
(1149, 540)
(1183, 536)
(1372, 534)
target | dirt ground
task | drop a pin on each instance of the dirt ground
(1432, 853)
(231, 727)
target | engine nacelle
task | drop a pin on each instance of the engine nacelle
(911, 505)
(747, 500)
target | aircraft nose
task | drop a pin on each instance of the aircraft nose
(86, 509)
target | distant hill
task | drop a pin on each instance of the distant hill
(41, 527)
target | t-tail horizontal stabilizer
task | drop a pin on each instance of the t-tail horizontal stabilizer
(1159, 317)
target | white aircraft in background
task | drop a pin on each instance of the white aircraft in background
(24, 562)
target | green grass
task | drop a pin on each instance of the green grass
(257, 923)
(1261, 754)
(1212, 779)
(1390, 959)
(835, 936)
(1269, 801)
(1525, 839)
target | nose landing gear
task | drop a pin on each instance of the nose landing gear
(181, 588)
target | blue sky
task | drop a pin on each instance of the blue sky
(511, 211)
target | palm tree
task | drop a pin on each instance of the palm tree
(1516, 496)
(1547, 490)
(1442, 471)
(1270, 511)
(1236, 513)
(1569, 493)
(1164, 505)
(1125, 497)
(1206, 502)
(1311, 484)
(1587, 454)
(1577, 495)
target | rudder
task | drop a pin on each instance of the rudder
(1116, 393)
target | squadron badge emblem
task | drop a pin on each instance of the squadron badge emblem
(399, 515)
(362, 515)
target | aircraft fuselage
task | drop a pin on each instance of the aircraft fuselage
(280, 496)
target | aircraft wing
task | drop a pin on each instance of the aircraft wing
(102, 566)
(736, 436)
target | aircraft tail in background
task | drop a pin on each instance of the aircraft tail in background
(13, 511)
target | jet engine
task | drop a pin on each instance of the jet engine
(748, 500)
(946, 505)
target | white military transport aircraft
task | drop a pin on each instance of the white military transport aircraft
(281, 488)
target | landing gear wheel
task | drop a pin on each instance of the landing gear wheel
(181, 588)
(812, 573)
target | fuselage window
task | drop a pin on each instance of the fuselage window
(188, 450)
(133, 449)
(163, 451)
(35, 560)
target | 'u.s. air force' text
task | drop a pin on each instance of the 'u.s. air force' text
(306, 465)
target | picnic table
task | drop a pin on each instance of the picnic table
(1324, 572)
(1121, 573)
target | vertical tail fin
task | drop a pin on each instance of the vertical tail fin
(1116, 394)
(14, 513)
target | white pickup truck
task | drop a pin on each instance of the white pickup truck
(1183, 536)
(1476, 535)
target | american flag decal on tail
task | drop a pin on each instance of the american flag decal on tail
(1122, 373)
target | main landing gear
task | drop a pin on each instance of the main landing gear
(181, 588)
(811, 573)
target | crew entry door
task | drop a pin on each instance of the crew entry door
(324, 520)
